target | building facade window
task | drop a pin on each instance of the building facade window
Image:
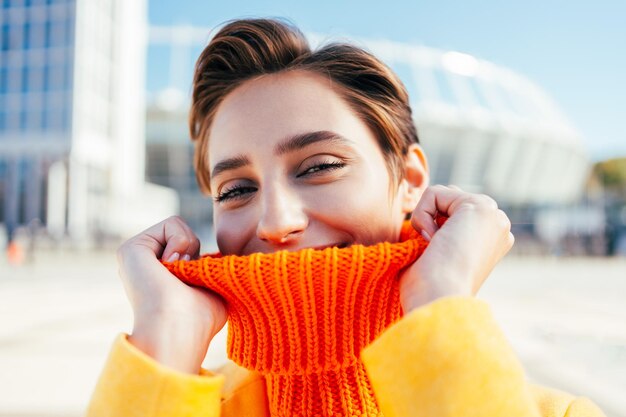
(37, 36)
(4, 82)
(478, 92)
(6, 39)
(14, 80)
(35, 79)
(444, 89)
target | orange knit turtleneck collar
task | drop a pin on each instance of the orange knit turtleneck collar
(302, 318)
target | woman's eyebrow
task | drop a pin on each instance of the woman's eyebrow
(302, 140)
(292, 144)
(230, 163)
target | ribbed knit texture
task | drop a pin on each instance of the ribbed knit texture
(302, 318)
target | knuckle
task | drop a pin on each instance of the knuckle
(482, 202)
(487, 201)
(492, 203)
(181, 241)
(178, 238)
(431, 191)
(503, 219)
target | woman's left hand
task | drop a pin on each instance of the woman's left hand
(462, 252)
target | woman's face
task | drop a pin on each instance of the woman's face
(293, 167)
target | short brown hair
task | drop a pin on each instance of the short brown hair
(248, 48)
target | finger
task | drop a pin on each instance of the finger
(424, 223)
(193, 251)
(436, 200)
(489, 202)
(194, 248)
(177, 239)
(151, 238)
(511, 240)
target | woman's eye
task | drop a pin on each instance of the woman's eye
(324, 166)
(238, 191)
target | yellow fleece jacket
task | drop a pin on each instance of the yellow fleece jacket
(447, 358)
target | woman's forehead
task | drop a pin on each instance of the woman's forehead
(262, 112)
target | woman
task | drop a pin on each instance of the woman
(317, 149)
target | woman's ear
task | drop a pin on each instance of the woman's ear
(416, 177)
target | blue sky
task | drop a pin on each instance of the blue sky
(575, 50)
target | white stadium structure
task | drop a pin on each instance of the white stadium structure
(485, 128)
(489, 129)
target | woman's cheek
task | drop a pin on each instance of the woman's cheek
(334, 200)
(232, 232)
(371, 209)
(354, 207)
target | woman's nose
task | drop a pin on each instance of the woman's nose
(283, 219)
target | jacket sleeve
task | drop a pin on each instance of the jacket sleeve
(583, 407)
(555, 403)
(449, 358)
(134, 384)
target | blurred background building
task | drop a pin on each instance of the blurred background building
(72, 110)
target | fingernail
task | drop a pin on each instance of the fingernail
(174, 257)
(426, 235)
(186, 257)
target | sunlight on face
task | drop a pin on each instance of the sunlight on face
(293, 167)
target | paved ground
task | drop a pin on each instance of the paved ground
(58, 317)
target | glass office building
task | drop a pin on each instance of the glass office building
(36, 74)
(72, 117)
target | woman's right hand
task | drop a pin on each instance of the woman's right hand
(173, 322)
